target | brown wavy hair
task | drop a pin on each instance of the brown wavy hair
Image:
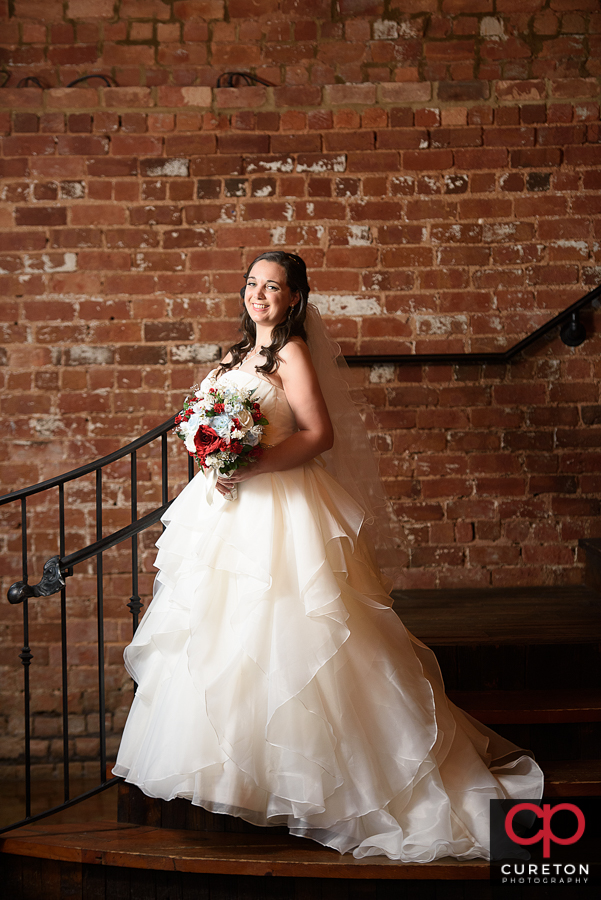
(294, 323)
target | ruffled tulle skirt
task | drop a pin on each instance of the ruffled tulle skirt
(276, 684)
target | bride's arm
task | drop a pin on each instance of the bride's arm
(315, 434)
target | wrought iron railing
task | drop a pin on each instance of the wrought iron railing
(58, 568)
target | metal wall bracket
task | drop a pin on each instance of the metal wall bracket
(51, 582)
(573, 333)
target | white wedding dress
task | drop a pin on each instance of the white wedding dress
(277, 684)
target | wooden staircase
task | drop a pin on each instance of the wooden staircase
(524, 661)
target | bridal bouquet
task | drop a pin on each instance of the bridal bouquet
(221, 428)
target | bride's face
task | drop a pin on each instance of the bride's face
(267, 297)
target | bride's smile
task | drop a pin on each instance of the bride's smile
(267, 296)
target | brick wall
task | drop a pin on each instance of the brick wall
(437, 163)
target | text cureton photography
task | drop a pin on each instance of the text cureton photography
(555, 841)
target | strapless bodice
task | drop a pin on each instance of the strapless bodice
(271, 398)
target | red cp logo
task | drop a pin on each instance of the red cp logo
(545, 833)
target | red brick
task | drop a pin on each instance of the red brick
(509, 137)
(320, 209)
(463, 256)
(80, 55)
(456, 137)
(404, 257)
(187, 237)
(131, 237)
(561, 135)
(207, 260)
(349, 140)
(401, 138)
(540, 206)
(98, 214)
(29, 145)
(297, 95)
(535, 158)
(49, 310)
(102, 259)
(375, 209)
(450, 50)
(136, 145)
(216, 165)
(496, 555)
(485, 209)
(30, 240)
(480, 158)
(237, 143)
(352, 257)
(155, 215)
(209, 212)
(13, 168)
(129, 284)
(582, 156)
(81, 145)
(574, 506)
(431, 209)
(19, 98)
(41, 215)
(431, 160)
(23, 122)
(400, 234)
(111, 167)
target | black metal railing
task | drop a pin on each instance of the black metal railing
(58, 568)
(55, 572)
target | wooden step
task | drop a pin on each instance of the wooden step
(104, 859)
(530, 707)
(572, 777)
(563, 614)
(145, 847)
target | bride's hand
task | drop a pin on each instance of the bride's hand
(242, 474)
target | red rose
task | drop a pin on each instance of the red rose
(219, 408)
(236, 447)
(207, 441)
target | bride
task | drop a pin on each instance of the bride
(275, 682)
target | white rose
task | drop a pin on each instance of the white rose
(245, 419)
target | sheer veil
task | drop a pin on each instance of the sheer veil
(352, 461)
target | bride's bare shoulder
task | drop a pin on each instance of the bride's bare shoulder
(294, 351)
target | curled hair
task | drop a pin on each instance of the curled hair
(293, 324)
